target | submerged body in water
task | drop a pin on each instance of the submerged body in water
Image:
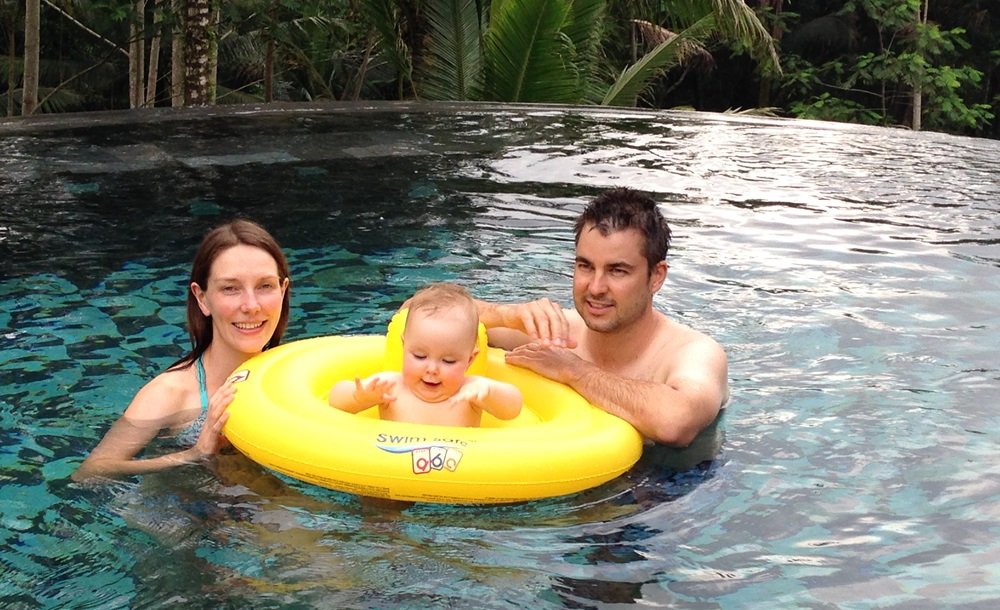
(850, 272)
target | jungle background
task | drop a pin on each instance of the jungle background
(920, 64)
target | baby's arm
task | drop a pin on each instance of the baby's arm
(499, 399)
(356, 396)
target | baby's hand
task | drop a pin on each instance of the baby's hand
(377, 389)
(474, 392)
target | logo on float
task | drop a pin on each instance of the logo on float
(428, 458)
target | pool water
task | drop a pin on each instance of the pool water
(852, 273)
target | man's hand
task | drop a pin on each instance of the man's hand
(542, 320)
(558, 363)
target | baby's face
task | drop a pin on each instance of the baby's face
(437, 350)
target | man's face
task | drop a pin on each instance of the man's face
(611, 284)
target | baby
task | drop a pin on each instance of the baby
(439, 344)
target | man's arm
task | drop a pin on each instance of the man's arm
(671, 413)
(513, 324)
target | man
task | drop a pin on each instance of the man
(668, 380)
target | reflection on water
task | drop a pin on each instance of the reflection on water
(851, 273)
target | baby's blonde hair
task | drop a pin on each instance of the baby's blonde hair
(441, 296)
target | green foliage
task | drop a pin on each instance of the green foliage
(825, 107)
(584, 28)
(387, 21)
(505, 50)
(946, 88)
(454, 52)
(636, 78)
(568, 51)
(550, 50)
(319, 50)
(527, 59)
(912, 57)
(694, 23)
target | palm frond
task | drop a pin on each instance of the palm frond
(454, 50)
(243, 54)
(696, 21)
(225, 95)
(736, 25)
(739, 25)
(636, 78)
(53, 100)
(528, 58)
(692, 54)
(584, 28)
(384, 17)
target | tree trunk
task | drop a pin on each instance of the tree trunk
(197, 52)
(154, 55)
(136, 59)
(11, 61)
(177, 54)
(29, 92)
(269, 54)
(213, 51)
(918, 109)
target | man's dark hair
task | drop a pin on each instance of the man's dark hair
(624, 208)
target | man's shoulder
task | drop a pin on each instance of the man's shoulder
(680, 333)
(685, 346)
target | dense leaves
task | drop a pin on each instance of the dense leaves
(931, 64)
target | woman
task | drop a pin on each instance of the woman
(237, 306)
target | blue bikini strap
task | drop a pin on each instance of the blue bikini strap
(202, 385)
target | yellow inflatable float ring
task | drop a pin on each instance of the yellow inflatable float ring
(280, 418)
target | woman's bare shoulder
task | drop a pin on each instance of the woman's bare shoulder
(165, 396)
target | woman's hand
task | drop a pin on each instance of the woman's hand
(210, 440)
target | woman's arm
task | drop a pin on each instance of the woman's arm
(159, 405)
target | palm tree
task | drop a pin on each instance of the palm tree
(198, 37)
(504, 50)
(695, 23)
(544, 50)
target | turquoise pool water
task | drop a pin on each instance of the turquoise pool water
(852, 273)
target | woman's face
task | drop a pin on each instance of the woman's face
(243, 298)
